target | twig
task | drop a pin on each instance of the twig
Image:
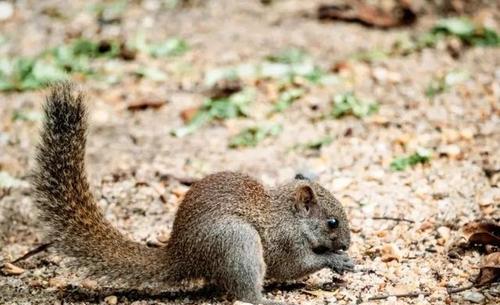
(188, 181)
(459, 289)
(35, 251)
(393, 218)
(400, 295)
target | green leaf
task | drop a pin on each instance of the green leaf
(456, 26)
(442, 84)
(371, 55)
(233, 106)
(467, 31)
(316, 144)
(32, 116)
(152, 73)
(250, 137)
(349, 104)
(200, 119)
(286, 98)
(401, 163)
(28, 73)
(289, 56)
(171, 47)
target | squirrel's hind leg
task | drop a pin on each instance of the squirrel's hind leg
(240, 262)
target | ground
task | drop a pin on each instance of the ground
(137, 167)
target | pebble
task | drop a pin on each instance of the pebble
(444, 232)
(340, 184)
(389, 253)
(489, 197)
(452, 151)
(6, 10)
(473, 296)
(111, 300)
(89, 284)
(241, 303)
(57, 282)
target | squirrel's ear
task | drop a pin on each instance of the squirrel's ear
(305, 199)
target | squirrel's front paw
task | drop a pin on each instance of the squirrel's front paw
(340, 263)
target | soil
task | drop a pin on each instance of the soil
(136, 166)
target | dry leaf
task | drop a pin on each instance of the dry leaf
(485, 233)
(369, 15)
(224, 88)
(10, 269)
(145, 104)
(188, 114)
(490, 270)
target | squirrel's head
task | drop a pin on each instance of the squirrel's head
(320, 217)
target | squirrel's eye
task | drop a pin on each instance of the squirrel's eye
(332, 223)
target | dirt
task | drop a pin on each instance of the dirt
(131, 152)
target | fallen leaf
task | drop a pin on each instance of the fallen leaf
(250, 137)
(10, 269)
(420, 156)
(489, 270)
(481, 232)
(369, 15)
(144, 104)
(225, 88)
(188, 114)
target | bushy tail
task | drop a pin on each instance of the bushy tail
(66, 205)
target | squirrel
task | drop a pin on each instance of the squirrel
(229, 229)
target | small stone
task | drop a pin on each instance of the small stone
(56, 282)
(376, 174)
(489, 197)
(473, 296)
(180, 191)
(89, 284)
(241, 303)
(444, 232)
(451, 151)
(163, 237)
(10, 269)
(467, 134)
(426, 225)
(340, 184)
(331, 301)
(389, 253)
(111, 300)
(6, 10)
(383, 75)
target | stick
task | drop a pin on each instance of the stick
(459, 289)
(393, 218)
(35, 251)
(188, 181)
(401, 295)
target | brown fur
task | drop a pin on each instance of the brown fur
(228, 230)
